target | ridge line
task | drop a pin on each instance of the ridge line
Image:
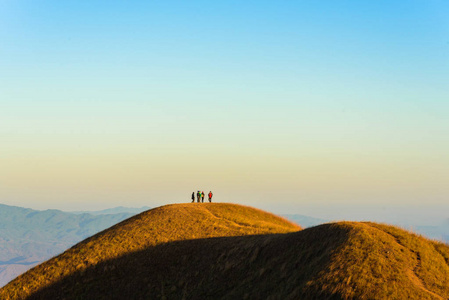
(413, 276)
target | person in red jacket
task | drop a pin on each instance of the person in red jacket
(210, 196)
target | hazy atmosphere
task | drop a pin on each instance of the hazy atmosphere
(333, 109)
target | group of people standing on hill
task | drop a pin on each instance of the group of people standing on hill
(200, 196)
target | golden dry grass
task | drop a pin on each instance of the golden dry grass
(385, 262)
(160, 225)
(225, 251)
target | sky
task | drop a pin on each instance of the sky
(289, 106)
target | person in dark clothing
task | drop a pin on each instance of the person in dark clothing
(210, 196)
(198, 196)
(193, 197)
(202, 196)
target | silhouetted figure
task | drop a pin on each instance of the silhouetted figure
(202, 196)
(193, 197)
(210, 196)
(198, 196)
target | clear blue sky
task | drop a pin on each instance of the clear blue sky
(276, 104)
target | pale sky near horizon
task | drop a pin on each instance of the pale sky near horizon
(274, 104)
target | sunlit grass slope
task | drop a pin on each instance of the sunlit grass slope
(169, 223)
(379, 261)
(345, 260)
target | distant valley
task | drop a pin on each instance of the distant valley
(29, 237)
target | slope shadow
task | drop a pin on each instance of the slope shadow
(273, 266)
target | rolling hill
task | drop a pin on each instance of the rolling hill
(226, 251)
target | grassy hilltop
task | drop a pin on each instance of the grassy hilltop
(227, 251)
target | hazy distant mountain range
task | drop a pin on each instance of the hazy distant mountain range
(29, 237)
(304, 221)
(115, 210)
(440, 232)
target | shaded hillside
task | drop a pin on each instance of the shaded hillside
(29, 237)
(345, 260)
